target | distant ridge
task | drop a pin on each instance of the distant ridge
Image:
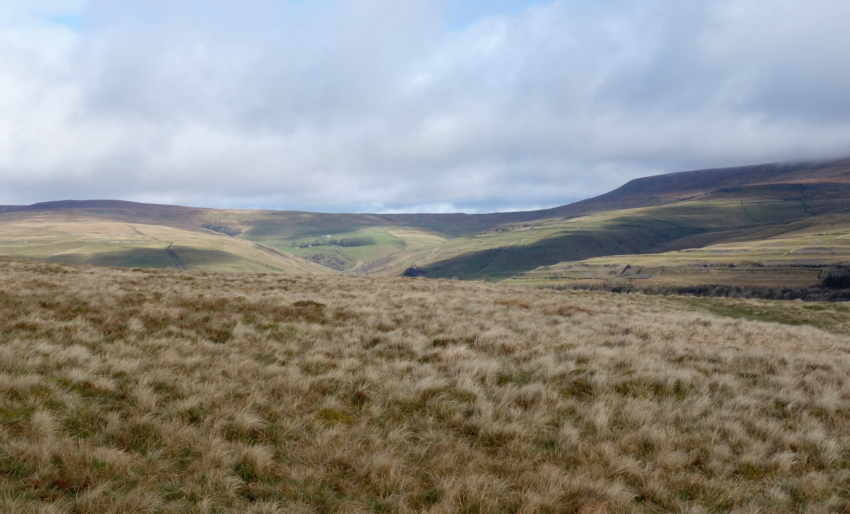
(87, 204)
(685, 185)
(795, 178)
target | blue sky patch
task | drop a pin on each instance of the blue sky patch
(72, 21)
(462, 13)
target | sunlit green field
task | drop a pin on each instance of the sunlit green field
(341, 258)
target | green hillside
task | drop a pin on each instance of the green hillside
(518, 248)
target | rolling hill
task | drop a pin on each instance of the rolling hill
(687, 220)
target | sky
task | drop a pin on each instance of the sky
(408, 105)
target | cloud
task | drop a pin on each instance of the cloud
(378, 105)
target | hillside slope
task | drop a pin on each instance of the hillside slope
(795, 254)
(57, 236)
(523, 247)
(677, 211)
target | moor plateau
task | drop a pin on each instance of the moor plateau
(175, 391)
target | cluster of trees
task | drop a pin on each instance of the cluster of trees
(357, 241)
(414, 271)
(230, 231)
(331, 261)
(836, 281)
(349, 241)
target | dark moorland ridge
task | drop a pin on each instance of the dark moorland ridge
(802, 180)
(798, 180)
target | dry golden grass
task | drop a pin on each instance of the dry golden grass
(163, 391)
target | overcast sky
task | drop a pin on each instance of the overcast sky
(408, 105)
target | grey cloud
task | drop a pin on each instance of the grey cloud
(377, 105)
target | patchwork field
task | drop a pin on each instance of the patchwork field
(168, 391)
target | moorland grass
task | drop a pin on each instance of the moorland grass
(167, 391)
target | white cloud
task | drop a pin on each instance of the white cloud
(374, 104)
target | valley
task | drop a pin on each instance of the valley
(780, 224)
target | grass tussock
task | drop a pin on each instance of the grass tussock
(125, 391)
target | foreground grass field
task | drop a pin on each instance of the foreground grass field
(169, 391)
